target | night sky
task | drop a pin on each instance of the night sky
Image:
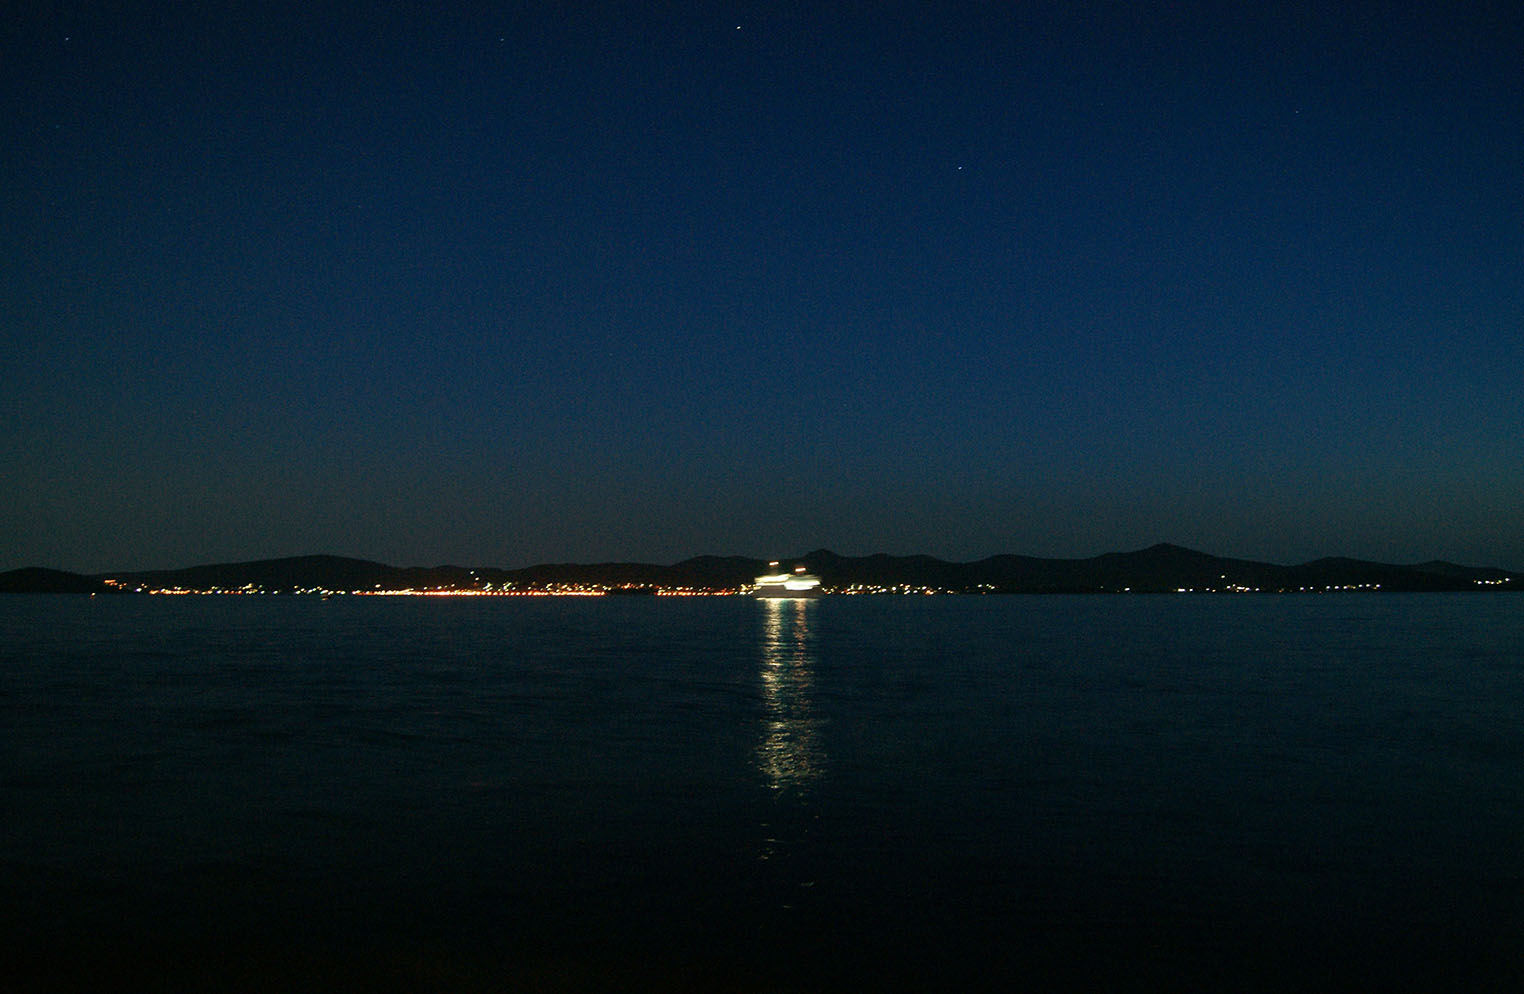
(495, 285)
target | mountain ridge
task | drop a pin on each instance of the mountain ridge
(1156, 568)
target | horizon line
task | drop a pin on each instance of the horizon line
(761, 559)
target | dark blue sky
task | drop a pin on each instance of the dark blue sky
(498, 284)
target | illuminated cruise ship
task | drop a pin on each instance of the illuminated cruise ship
(795, 584)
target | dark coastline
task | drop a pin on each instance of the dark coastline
(1158, 569)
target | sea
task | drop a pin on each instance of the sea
(1166, 793)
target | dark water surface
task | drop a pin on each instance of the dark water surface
(1170, 793)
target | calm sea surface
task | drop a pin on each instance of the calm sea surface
(1171, 793)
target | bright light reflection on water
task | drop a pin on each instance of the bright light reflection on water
(789, 754)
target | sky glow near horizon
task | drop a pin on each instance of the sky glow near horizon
(491, 286)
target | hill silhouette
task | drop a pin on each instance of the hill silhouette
(1162, 567)
(38, 580)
